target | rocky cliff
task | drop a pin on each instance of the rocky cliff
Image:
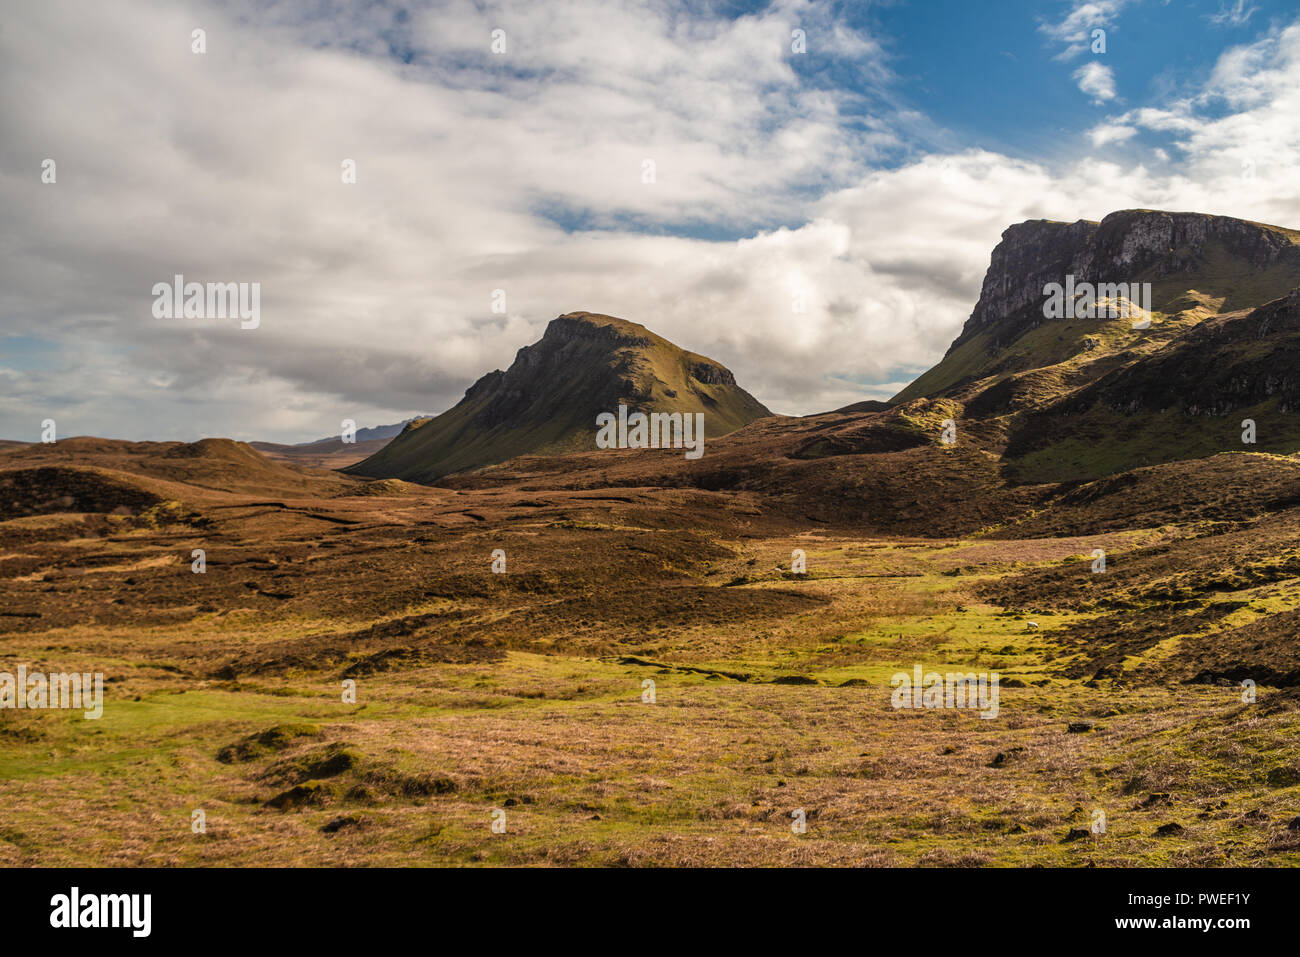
(1198, 265)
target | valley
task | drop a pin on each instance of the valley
(523, 692)
(480, 638)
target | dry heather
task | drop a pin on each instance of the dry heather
(521, 696)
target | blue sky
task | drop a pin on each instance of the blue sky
(987, 72)
(867, 179)
(992, 75)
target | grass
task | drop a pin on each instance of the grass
(588, 774)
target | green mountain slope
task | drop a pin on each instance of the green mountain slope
(548, 400)
(1187, 400)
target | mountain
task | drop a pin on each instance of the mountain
(1062, 426)
(372, 434)
(332, 452)
(1068, 399)
(1198, 266)
(548, 400)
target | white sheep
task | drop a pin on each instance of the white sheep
(1031, 625)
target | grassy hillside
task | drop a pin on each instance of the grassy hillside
(548, 400)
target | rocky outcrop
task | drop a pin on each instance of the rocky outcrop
(1127, 246)
(1192, 265)
(1030, 255)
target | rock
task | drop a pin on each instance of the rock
(1125, 242)
(338, 823)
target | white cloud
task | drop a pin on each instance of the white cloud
(225, 166)
(1075, 29)
(1111, 133)
(1234, 15)
(1097, 80)
(1249, 151)
(522, 174)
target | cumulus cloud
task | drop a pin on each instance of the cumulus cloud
(522, 172)
(1111, 133)
(787, 232)
(1239, 135)
(1097, 80)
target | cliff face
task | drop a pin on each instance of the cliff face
(1078, 398)
(1030, 255)
(548, 400)
(1199, 265)
(1165, 244)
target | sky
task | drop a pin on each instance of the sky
(807, 192)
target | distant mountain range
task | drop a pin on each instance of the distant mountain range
(368, 435)
(332, 451)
